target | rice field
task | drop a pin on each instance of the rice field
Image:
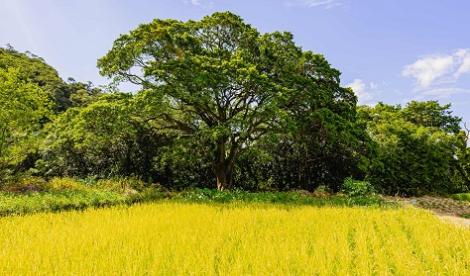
(171, 238)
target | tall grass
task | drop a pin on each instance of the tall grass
(233, 239)
(34, 195)
(53, 201)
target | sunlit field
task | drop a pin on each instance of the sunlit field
(181, 239)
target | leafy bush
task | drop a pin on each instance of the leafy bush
(22, 184)
(34, 194)
(462, 197)
(127, 185)
(65, 183)
(357, 188)
(33, 202)
(292, 197)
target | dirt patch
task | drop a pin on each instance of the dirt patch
(455, 220)
(447, 209)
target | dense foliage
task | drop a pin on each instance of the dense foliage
(222, 105)
(420, 149)
(34, 70)
(221, 79)
(23, 106)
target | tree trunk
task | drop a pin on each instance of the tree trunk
(223, 166)
(224, 178)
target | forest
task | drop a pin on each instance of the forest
(220, 105)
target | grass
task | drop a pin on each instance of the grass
(174, 238)
(462, 197)
(289, 198)
(33, 195)
(62, 200)
(85, 197)
(33, 202)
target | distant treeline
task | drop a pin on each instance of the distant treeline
(221, 105)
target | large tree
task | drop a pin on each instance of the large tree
(221, 77)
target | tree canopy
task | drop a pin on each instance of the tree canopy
(226, 79)
(23, 107)
(420, 148)
(34, 69)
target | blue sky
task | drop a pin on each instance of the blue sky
(390, 51)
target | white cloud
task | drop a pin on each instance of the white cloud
(433, 69)
(444, 92)
(199, 3)
(314, 3)
(365, 92)
(463, 56)
(193, 2)
(426, 70)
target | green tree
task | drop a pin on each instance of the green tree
(323, 149)
(432, 114)
(420, 149)
(35, 70)
(23, 108)
(103, 139)
(219, 77)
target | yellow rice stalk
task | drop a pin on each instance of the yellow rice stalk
(235, 239)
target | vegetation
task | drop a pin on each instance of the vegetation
(221, 105)
(33, 195)
(23, 106)
(285, 198)
(256, 158)
(356, 188)
(420, 149)
(177, 238)
(221, 81)
(52, 201)
(462, 196)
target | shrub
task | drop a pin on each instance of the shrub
(357, 188)
(22, 184)
(462, 197)
(65, 183)
(289, 198)
(127, 185)
(53, 201)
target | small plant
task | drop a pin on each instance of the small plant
(467, 216)
(60, 184)
(461, 197)
(127, 185)
(24, 184)
(357, 188)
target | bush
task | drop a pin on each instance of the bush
(53, 201)
(288, 198)
(357, 188)
(34, 194)
(22, 184)
(126, 185)
(60, 184)
(462, 197)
